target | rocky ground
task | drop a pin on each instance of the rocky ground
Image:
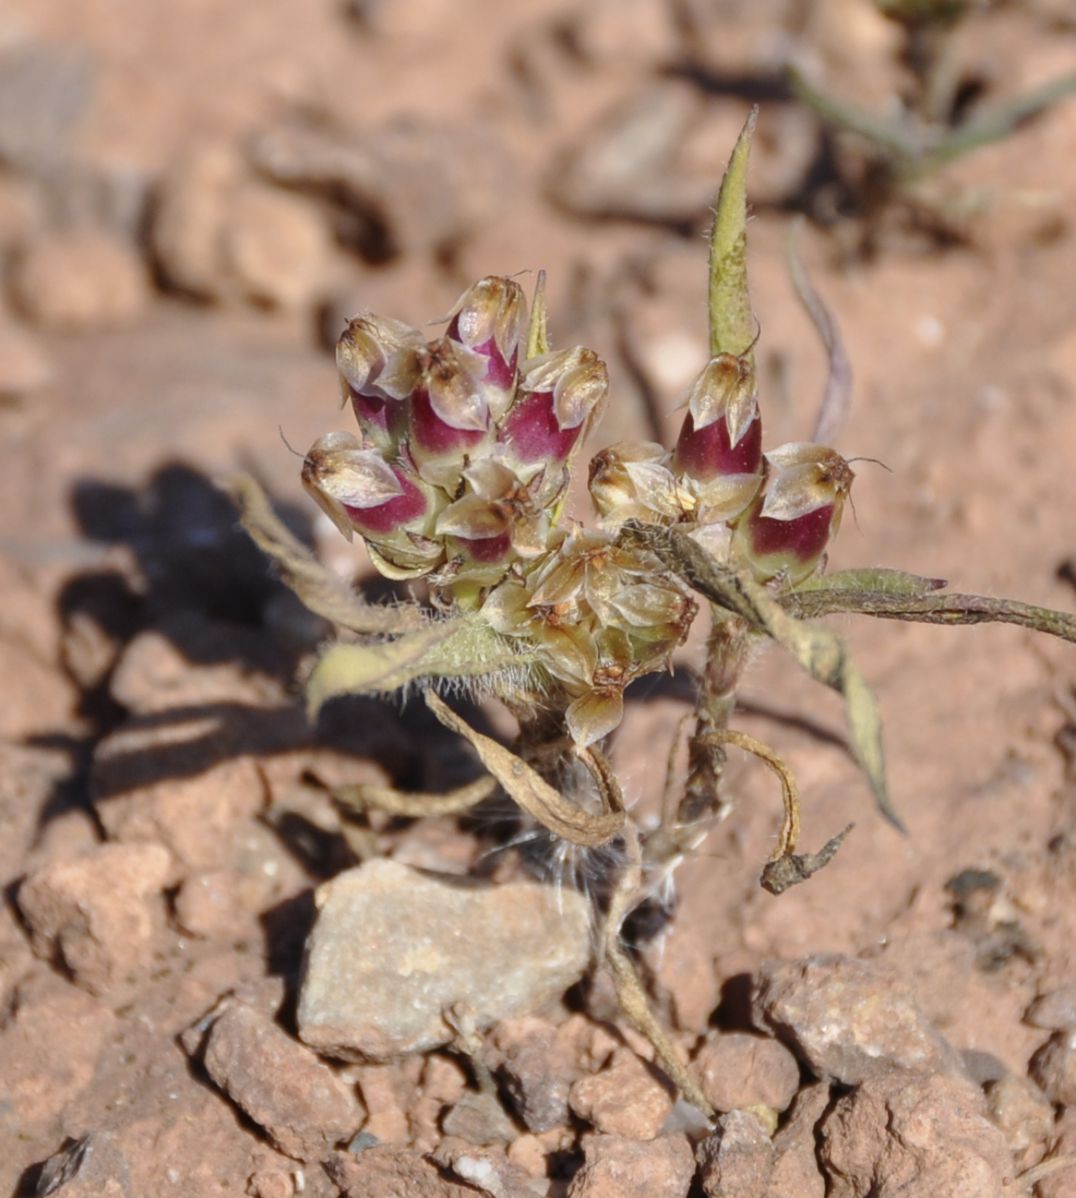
(189, 208)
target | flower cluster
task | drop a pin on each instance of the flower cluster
(460, 472)
(774, 513)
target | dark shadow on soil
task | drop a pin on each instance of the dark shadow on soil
(187, 570)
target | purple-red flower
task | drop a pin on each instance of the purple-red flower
(785, 532)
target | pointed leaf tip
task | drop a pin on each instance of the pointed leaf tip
(732, 322)
(538, 331)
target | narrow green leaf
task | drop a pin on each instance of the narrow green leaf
(733, 327)
(876, 579)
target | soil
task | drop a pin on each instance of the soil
(189, 208)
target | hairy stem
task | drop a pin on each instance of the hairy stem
(932, 609)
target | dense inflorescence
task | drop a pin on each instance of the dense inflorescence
(462, 467)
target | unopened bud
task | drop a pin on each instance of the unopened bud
(495, 522)
(377, 360)
(632, 481)
(720, 444)
(559, 397)
(786, 530)
(360, 492)
(488, 320)
(448, 418)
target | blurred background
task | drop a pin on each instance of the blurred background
(195, 196)
(191, 204)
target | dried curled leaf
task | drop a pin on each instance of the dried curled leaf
(821, 652)
(732, 322)
(415, 804)
(790, 869)
(464, 647)
(529, 789)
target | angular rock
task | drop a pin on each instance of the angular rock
(624, 1099)
(300, 1103)
(846, 1019)
(93, 913)
(736, 1070)
(479, 1119)
(795, 1162)
(616, 1167)
(538, 1070)
(83, 279)
(181, 785)
(393, 949)
(156, 674)
(90, 1167)
(1020, 1110)
(737, 1160)
(220, 234)
(913, 1135)
(491, 1173)
(1054, 1068)
(408, 184)
(391, 1173)
(1055, 1011)
(48, 1053)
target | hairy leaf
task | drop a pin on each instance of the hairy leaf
(896, 603)
(465, 647)
(732, 323)
(872, 580)
(537, 330)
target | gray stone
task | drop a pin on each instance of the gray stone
(847, 1019)
(45, 91)
(394, 948)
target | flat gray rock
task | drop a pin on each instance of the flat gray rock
(394, 948)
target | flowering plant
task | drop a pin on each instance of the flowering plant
(459, 475)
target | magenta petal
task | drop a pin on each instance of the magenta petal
(532, 430)
(370, 411)
(434, 435)
(392, 515)
(803, 539)
(499, 372)
(486, 550)
(705, 454)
